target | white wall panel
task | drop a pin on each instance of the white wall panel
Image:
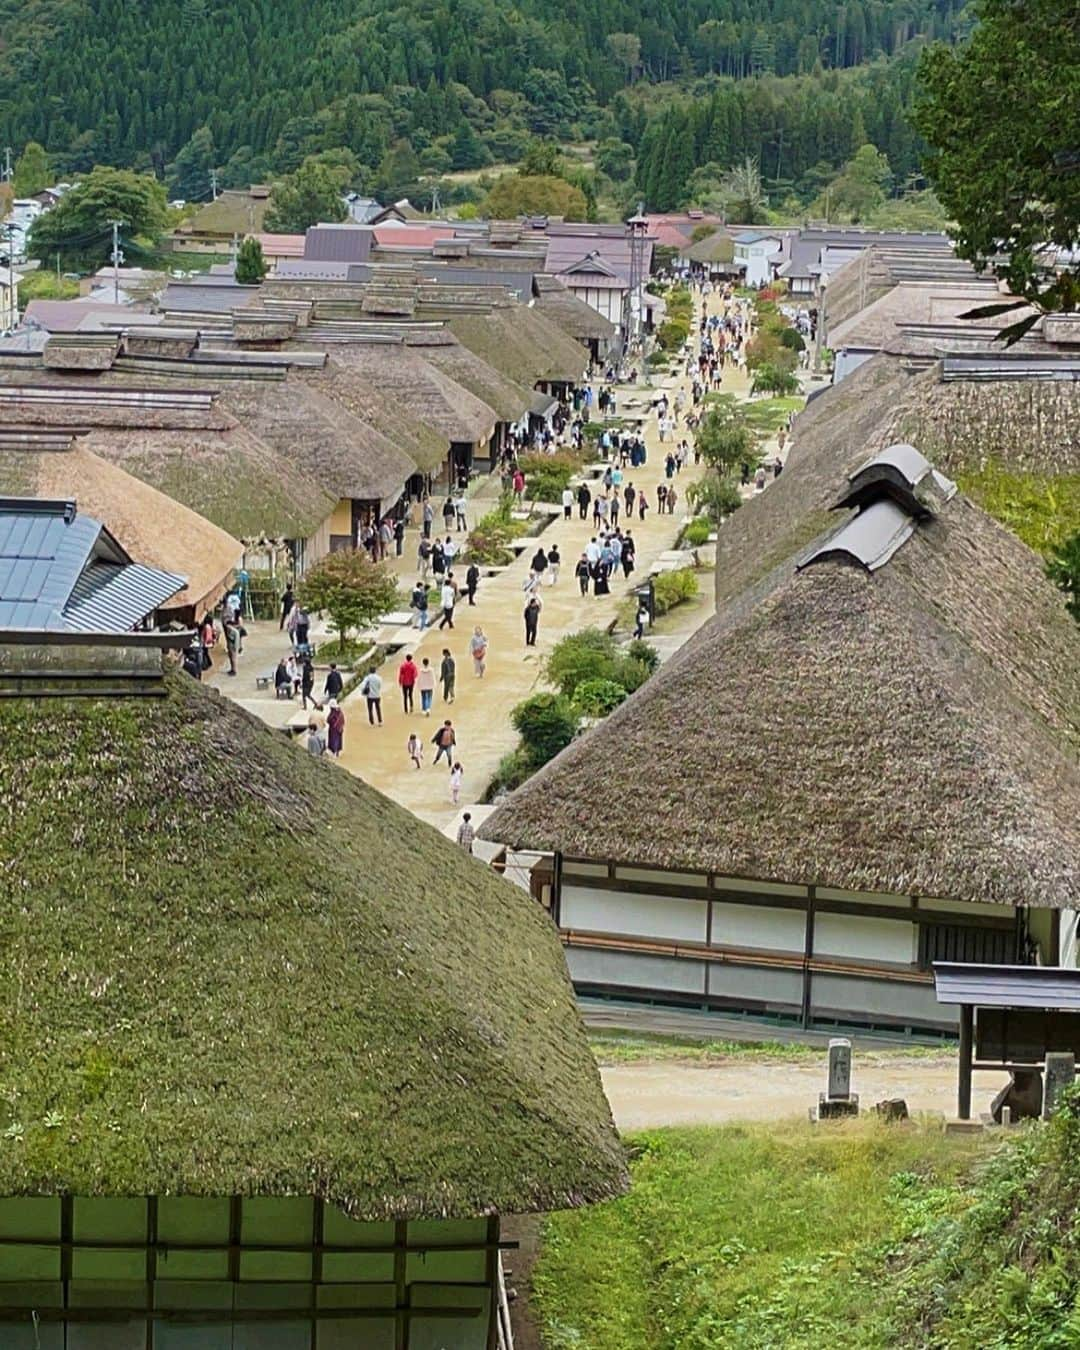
(662, 973)
(865, 939)
(650, 916)
(780, 930)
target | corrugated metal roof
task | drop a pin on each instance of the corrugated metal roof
(1007, 986)
(110, 597)
(60, 570)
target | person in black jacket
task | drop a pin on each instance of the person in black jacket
(334, 683)
(581, 571)
(472, 580)
(287, 602)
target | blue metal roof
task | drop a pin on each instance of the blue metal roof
(1007, 986)
(60, 570)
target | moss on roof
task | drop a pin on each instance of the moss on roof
(232, 969)
(523, 343)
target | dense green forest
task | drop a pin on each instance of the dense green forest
(251, 87)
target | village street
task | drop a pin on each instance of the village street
(481, 710)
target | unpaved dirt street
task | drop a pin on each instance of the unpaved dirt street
(654, 1093)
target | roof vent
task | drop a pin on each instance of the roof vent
(900, 474)
(869, 540)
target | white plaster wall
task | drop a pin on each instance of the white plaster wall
(649, 916)
(866, 939)
(862, 999)
(782, 930)
(632, 970)
(778, 989)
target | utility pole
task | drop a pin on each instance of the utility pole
(116, 260)
(58, 276)
(7, 164)
(11, 308)
(213, 183)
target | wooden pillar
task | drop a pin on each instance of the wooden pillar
(963, 1093)
(1053, 956)
(808, 953)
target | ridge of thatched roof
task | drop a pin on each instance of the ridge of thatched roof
(569, 312)
(508, 399)
(523, 343)
(913, 730)
(236, 970)
(345, 456)
(159, 531)
(400, 386)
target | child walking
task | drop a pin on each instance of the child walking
(457, 773)
(415, 749)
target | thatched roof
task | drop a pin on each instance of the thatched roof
(508, 399)
(345, 456)
(921, 302)
(234, 970)
(523, 343)
(160, 532)
(912, 730)
(569, 312)
(718, 247)
(393, 387)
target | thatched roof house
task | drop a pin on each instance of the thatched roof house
(882, 721)
(509, 400)
(523, 343)
(156, 529)
(234, 993)
(715, 248)
(570, 313)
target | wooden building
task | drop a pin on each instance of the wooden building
(866, 762)
(269, 1079)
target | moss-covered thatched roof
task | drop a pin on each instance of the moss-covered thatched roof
(232, 969)
(509, 400)
(569, 312)
(523, 343)
(913, 730)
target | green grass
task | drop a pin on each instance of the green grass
(1043, 509)
(767, 415)
(755, 1237)
(612, 1046)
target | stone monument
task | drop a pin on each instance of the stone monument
(838, 1100)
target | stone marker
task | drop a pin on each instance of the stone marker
(838, 1100)
(1006, 1116)
(1060, 1074)
(839, 1069)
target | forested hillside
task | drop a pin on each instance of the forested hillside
(263, 83)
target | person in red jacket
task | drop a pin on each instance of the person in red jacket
(406, 677)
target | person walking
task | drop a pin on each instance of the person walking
(307, 682)
(316, 738)
(448, 514)
(629, 553)
(232, 644)
(448, 675)
(335, 729)
(554, 563)
(399, 536)
(672, 498)
(643, 617)
(472, 581)
(425, 682)
(428, 516)
(303, 625)
(642, 505)
(584, 497)
(581, 571)
(567, 502)
(457, 777)
(447, 599)
(406, 678)
(414, 748)
(423, 557)
(288, 599)
(418, 601)
(478, 645)
(371, 689)
(334, 683)
(438, 560)
(532, 620)
(444, 741)
(460, 511)
(539, 563)
(466, 834)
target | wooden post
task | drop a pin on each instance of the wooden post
(808, 954)
(963, 1095)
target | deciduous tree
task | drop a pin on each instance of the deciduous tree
(32, 172)
(350, 589)
(79, 226)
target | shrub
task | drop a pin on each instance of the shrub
(697, 532)
(597, 698)
(546, 724)
(546, 476)
(631, 672)
(673, 588)
(350, 589)
(672, 333)
(770, 379)
(489, 539)
(587, 655)
(644, 653)
(791, 337)
(512, 771)
(1063, 569)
